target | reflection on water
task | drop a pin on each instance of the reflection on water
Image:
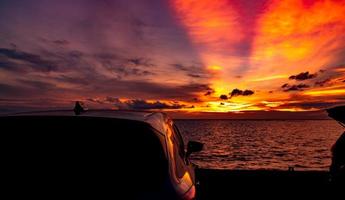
(258, 144)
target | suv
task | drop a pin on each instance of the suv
(118, 154)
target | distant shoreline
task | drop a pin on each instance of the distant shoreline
(182, 119)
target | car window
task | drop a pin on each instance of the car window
(180, 142)
(179, 153)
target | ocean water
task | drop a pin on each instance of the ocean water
(260, 144)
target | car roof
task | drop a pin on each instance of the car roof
(157, 120)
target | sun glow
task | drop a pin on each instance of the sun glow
(215, 68)
(269, 78)
(176, 55)
(326, 92)
(288, 34)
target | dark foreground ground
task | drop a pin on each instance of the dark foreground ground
(232, 184)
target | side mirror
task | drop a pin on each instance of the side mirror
(193, 147)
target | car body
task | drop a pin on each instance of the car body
(137, 154)
(337, 168)
(337, 113)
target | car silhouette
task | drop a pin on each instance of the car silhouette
(97, 154)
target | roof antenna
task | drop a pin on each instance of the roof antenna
(78, 108)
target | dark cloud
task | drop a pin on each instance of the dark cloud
(122, 68)
(75, 54)
(136, 88)
(248, 93)
(138, 72)
(61, 42)
(77, 70)
(4, 64)
(138, 27)
(112, 99)
(317, 105)
(35, 61)
(223, 97)
(41, 85)
(138, 104)
(193, 71)
(80, 80)
(20, 61)
(107, 56)
(15, 105)
(94, 100)
(23, 90)
(145, 62)
(299, 87)
(238, 92)
(67, 60)
(194, 75)
(323, 82)
(79, 85)
(209, 92)
(9, 90)
(144, 105)
(303, 76)
(337, 67)
(14, 46)
(311, 105)
(107, 100)
(195, 87)
(285, 85)
(181, 67)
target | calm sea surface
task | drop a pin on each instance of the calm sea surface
(258, 144)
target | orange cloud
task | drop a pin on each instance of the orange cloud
(291, 35)
(208, 22)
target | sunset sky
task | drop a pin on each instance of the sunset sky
(192, 58)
